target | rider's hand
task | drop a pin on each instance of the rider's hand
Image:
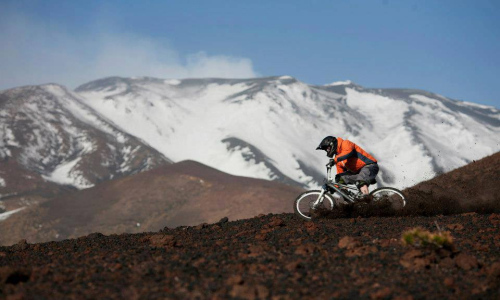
(331, 163)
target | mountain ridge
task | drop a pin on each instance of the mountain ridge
(49, 135)
(285, 113)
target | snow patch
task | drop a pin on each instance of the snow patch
(345, 82)
(7, 139)
(66, 174)
(4, 216)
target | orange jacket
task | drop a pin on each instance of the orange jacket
(351, 157)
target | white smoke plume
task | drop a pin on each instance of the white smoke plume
(37, 52)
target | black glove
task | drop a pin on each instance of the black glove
(331, 163)
(339, 179)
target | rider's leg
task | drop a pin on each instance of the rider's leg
(363, 178)
(364, 189)
(368, 172)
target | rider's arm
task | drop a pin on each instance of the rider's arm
(340, 169)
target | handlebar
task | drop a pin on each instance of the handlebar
(331, 163)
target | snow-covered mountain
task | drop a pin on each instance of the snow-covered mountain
(269, 127)
(48, 134)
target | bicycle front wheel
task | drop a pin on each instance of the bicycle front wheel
(303, 205)
(388, 195)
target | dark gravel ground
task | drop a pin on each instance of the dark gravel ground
(266, 257)
(354, 252)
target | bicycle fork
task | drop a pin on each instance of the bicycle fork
(319, 201)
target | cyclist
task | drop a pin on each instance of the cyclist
(354, 165)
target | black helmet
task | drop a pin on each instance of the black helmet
(329, 144)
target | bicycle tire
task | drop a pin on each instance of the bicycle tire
(302, 204)
(394, 196)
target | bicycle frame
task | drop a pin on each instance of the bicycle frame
(330, 184)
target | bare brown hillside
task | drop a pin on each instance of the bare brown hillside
(184, 193)
(474, 187)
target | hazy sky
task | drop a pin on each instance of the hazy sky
(449, 47)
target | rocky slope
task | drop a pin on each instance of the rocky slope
(473, 187)
(267, 257)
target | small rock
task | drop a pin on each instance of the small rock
(311, 227)
(276, 222)
(447, 263)
(468, 214)
(261, 291)
(223, 220)
(161, 240)
(494, 219)
(21, 245)
(360, 251)
(415, 259)
(412, 254)
(455, 226)
(201, 226)
(349, 242)
(306, 249)
(494, 216)
(494, 270)
(256, 250)
(235, 279)
(466, 262)
(261, 236)
(243, 292)
(381, 294)
(421, 263)
(95, 235)
(449, 282)
(292, 266)
(386, 242)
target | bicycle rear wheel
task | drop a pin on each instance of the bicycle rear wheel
(303, 205)
(391, 196)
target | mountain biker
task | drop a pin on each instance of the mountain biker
(354, 165)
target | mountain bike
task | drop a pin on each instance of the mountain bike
(310, 201)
